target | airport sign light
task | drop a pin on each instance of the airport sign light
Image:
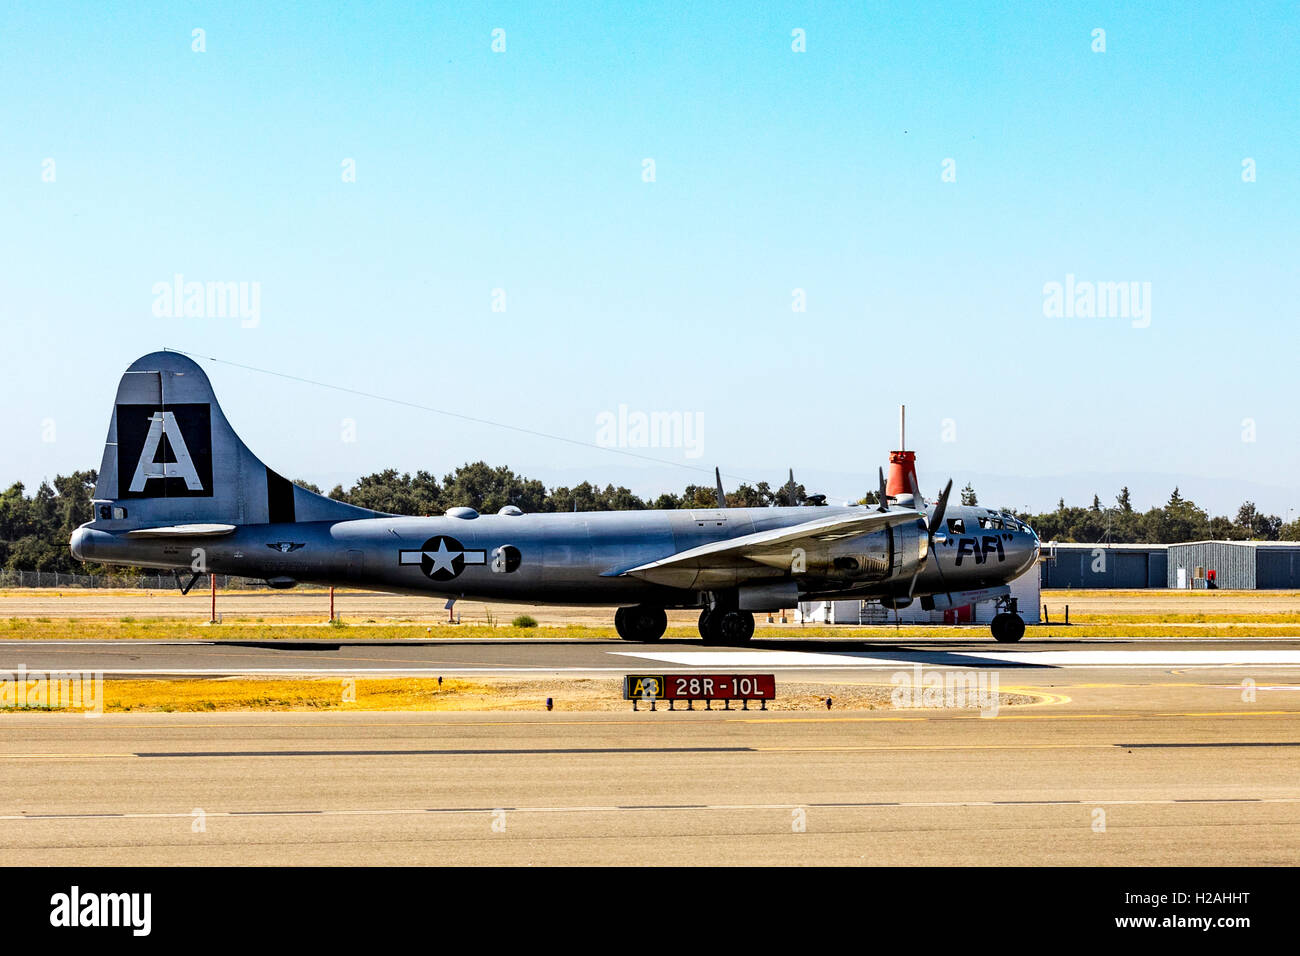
(699, 687)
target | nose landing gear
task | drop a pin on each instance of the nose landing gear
(642, 623)
(1007, 625)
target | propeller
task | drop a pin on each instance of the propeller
(936, 522)
(939, 509)
(722, 495)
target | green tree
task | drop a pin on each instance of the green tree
(34, 530)
(391, 493)
(1255, 524)
(589, 497)
(1179, 520)
(486, 489)
(749, 497)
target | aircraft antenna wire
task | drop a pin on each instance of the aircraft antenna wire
(442, 411)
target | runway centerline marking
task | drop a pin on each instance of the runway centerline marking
(464, 752)
(645, 808)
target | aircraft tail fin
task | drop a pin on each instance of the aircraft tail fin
(172, 458)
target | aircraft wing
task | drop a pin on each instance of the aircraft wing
(771, 548)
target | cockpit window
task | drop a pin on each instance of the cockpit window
(991, 523)
(957, 525)
(1015, 524)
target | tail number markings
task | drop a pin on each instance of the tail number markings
(183, 467)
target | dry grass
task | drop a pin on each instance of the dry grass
(203, 695)
(72, 615)
(1137, 626)
(314, 694)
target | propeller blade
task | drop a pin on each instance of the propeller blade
(939, 509)
(917, 501)
(937, 522)
(884, 495)
(722, 497)
(942, 580)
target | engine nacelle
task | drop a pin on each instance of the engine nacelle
(912, 547)
(892, 554)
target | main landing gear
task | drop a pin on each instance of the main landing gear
(642, 623)
(730, 627)
(1007, 625)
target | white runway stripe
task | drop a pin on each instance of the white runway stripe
(761, 658)
(1170, 658)
(1097, 658)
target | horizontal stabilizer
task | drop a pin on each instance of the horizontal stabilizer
(183, 531)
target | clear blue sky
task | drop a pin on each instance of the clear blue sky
(775, 170)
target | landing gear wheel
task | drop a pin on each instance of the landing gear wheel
(704, 624)
(729, 628)
(1007, 628)
(642, 623)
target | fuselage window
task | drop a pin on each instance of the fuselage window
(506, 560)
(957, 525)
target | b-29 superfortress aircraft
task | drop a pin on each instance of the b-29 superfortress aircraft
(178, 490)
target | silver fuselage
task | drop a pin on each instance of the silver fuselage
(577, 558)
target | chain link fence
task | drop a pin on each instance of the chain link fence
(154, 582)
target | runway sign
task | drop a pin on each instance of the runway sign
(672, 687)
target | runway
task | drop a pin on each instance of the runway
(659, 789)
(1132, 752)
(809, 658)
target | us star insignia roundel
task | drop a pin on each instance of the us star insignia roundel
(442, 557)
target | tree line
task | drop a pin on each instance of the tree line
(1178, 519)
(34, 528)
